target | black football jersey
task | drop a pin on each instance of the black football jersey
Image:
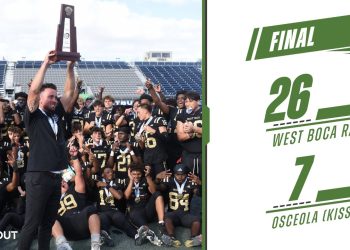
(122, 159)
(105, 199)
(173, 113)
(177, 201)
(193, 145)
(101, 152)
(78, 116)
(144, 194)
(100, 122)
(71, 202)
(133, 122)
(112, 111)
(154, 151)
(156, 111)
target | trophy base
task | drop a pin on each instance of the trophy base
(66, 56)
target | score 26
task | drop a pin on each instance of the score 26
(298, 97)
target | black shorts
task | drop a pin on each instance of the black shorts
(142, 215)
(76, 226)
(181, 218)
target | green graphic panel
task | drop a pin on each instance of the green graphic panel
(303, 37)
(333, 112)
(333, 194)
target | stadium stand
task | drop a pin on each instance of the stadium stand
(119, 78)
(173, 76)
(2, 73)
(120, 83)
(102, 65)
(22, 76)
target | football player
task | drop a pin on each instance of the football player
(147, 99)
(108, 102)
(173, 146)
(79, 112)
(152, 137)
(189, 133)
(180, 190)
(98, 118)
(145, 204)
(99, 147)
(109, 194)
(130, 119)
(122, 155)
(75, 220)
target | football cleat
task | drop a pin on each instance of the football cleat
(64, 246)
(152, 237)
(194, 241)
(106, 239)
(141, 235)
(170, 241)
(96, 245)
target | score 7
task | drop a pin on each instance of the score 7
(307, 162)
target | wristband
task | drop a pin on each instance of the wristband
(132, 153)
(112, 153)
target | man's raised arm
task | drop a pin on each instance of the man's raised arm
(69, 87)
(34, 90)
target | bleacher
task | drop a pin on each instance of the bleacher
(119, 79)
(28, 64)
(119, 83)
(173, 76)
(22, 77)
(102, 65)
(2, 73)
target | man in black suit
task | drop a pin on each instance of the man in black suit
(43, 118)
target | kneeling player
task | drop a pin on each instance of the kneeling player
(108, 194)
(76, 220)
(180, 189)
(144, 203)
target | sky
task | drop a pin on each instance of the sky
(106, 29)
